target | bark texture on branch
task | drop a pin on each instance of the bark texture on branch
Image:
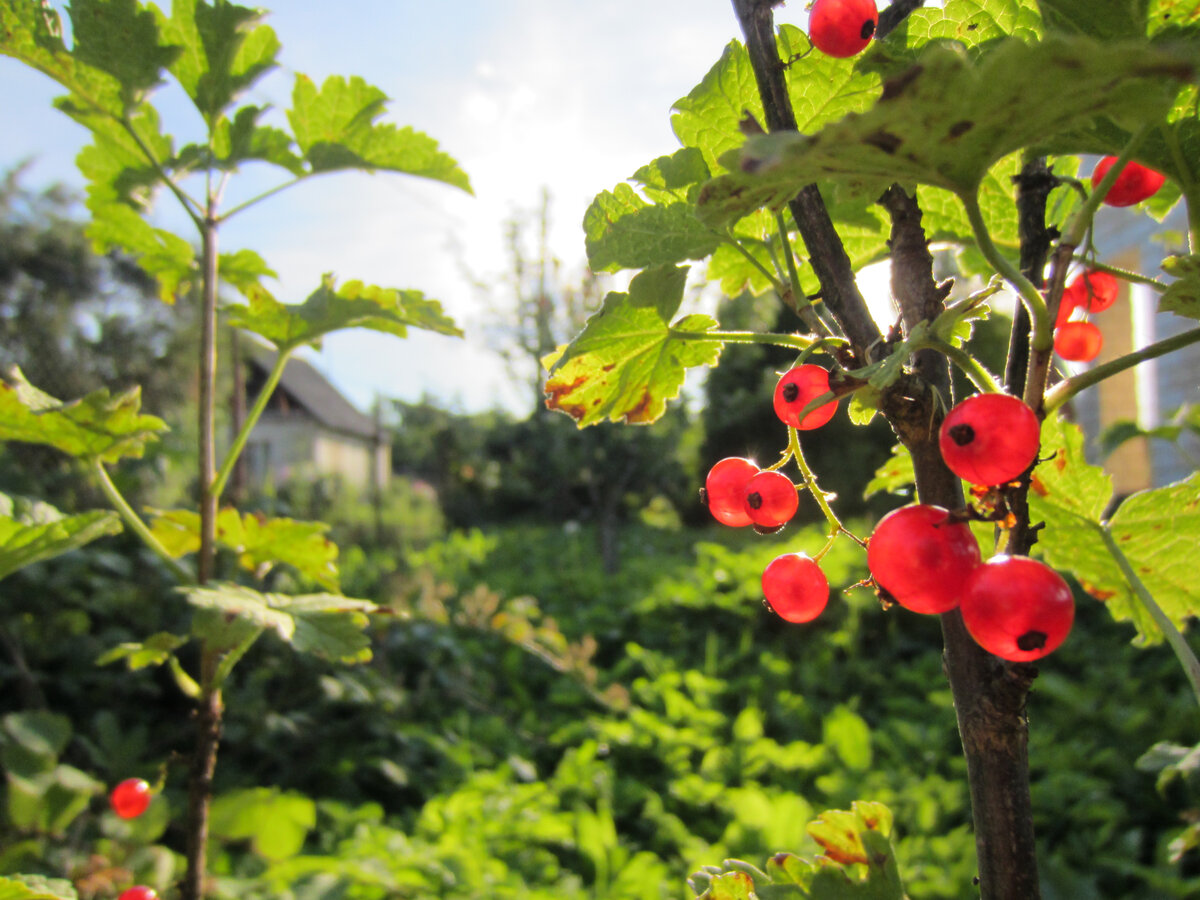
(989, 696)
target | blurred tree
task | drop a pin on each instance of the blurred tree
(72, 321)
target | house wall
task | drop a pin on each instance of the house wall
(295, 446)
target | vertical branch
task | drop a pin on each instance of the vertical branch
(989, 696)
(826, 253)
(211, 707)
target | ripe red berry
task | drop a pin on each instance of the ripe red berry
(725, 490)
(989, 439)
(795, 587)
(771, 499)
(1095, 291)
(130, 798)
(1070, 302)
(140, 892)
(1078, 341)
(1017, 608)
(842, 28)
(921, 558)
(1135, 183)
(796, 389)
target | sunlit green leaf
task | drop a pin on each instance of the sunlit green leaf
(223, 51)
(630, 358)
(1153, 529)
(275, 822)
(153, 651)
(336, 128)
(36, 887)
(623, 231)
(1182, 295)
(259, 542)
(968, 22)
(949, 119)
(31, 531)
(162, 254)
(121, 37)
(331, 308)
(327, 625)
(99, 426)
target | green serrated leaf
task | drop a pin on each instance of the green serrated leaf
(1102, 20)
(36, 887)
(163, 255)
(155, 650)
(895, 476)
(223, 52)
(327, 625)
(245, 270)
(32, 32)
(671, 177)
(258, 541)
(336, 128)
(623, 231)
(1152, 529)
(971, 23)
(630, 359)
(332, 308)
(99, 426)
(275, 822)
(1182, 295)
(122, 38)
(31, 531)
(243, 139)
(949, 119)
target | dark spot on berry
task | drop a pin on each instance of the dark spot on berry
(1032, 640)
(754, 501)
(868, 29)
(790, 392)
(962, 434)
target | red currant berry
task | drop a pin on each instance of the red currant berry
(130, 798)
(725, 490)
(921, 558)
(842, 28)
(796, 389)
(989, 439)
(1078, 341)
(1095, 291)
(140, 892)
(771, 499)
(795, 587)
(1135, 183)
(1070, 302)
(1017, 608)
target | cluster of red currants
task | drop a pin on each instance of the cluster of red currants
(739, 493)
(920, 557)
(927, 561)
(1093, 291)
(130, 799)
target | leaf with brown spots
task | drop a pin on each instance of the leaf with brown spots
(630, 359)
(1156, 530)
(1014, 94)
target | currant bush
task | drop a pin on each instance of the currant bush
(130, 798)
(1078, 341)
(989, 439)
(796, 389)
(795, 587)
(771, 499)
(842, 28)
(1017, 608)
(1135, 183)
(921, 558)
(725, 490)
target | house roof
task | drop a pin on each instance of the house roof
(308, 387)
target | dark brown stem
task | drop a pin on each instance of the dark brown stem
(896, 13)
(826, 253)
(989, 696)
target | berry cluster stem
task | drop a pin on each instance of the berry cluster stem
(810, 482)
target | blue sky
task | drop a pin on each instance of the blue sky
(569, 95)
